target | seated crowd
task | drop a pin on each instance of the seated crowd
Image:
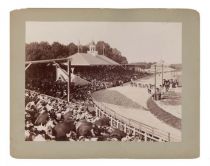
(51, 117)
(105, 77)
(58, 89)
(48, 118)
(101, 78)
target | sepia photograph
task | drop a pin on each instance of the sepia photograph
(103, 81)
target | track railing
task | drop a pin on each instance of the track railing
(145, 132)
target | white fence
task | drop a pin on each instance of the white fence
(145, 132)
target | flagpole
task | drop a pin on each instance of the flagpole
(103, 49)
(78, 46)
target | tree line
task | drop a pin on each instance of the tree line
(44, 50)
(177, 67)
(143, 65)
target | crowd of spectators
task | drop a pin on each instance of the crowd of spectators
(105, 77)
(163, 88)
(48, 118)
(48, 115)
(99, 78)
(58, 89)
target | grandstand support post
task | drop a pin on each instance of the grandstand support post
(155, 82)
(69, 81)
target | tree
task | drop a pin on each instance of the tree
(35, 51)
(43, 50)
(84, 49)
(72, 48)
(112, 53)
(59, 50)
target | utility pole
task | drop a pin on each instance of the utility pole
(162, 73)
(69, 79)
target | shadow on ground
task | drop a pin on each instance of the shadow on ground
(116, 98)
(163, 115)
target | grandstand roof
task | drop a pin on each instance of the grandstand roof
(86, 59)
(81, 59)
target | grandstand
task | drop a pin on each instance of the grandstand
(90, 97)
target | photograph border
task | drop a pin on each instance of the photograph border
(188, 148)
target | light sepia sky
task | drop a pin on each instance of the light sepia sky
(138, 41)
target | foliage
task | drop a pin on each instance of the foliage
(44, 50)
(177, 67)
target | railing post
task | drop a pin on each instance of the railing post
(152, 131)
(99, 112)
(125, 127)
(96, 111)
(111, 121)
(160, 140)
(169, 137)
(145, 137)
(117, 123)
(134, 131)
(125, 124)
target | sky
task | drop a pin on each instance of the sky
(137, 41)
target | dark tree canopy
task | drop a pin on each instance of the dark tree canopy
(44, 50)
(113, 53)
(35, 51)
